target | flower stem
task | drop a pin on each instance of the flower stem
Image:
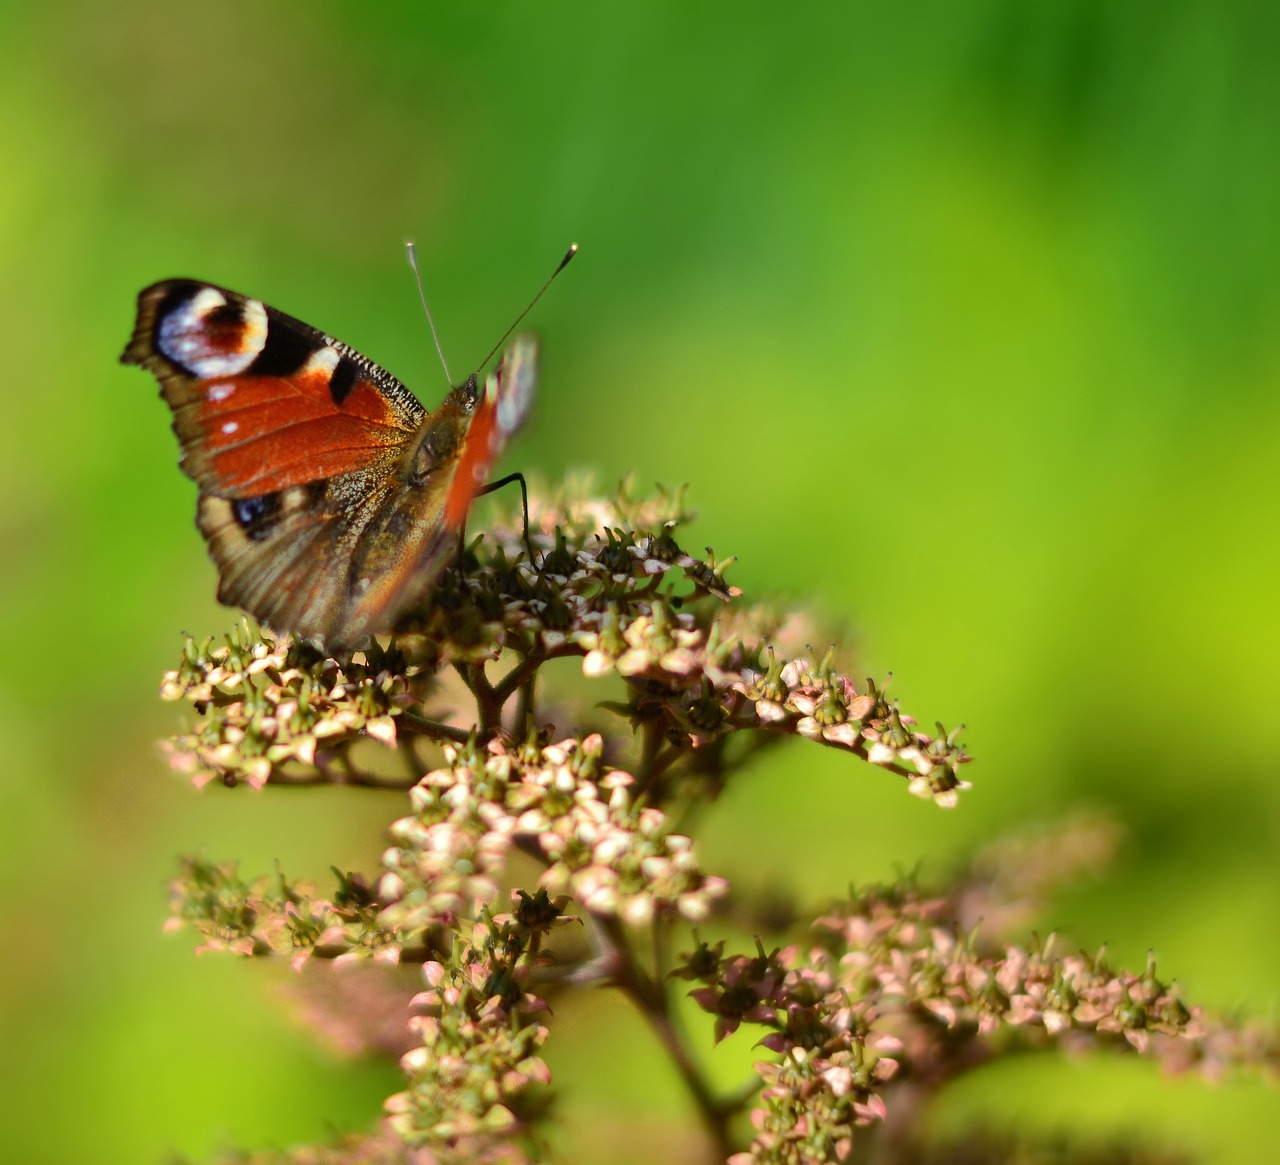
(650, 995)
(433, 729)
(346, 776)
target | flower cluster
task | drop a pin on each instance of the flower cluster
(810, 1105)
(890, 991)
(886, 998)
(612, 587)
(268, 706)
(273, 916)
(817, 702)
(473, 1080)
(559, 802)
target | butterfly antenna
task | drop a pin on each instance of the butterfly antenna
(569, 254)
(422, 295)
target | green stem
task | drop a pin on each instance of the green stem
(433, 729)
(409, 754)
(525, 707)
(519, 675)
(346, 776)
(657, 765)
(650, 995)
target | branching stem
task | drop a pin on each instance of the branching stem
(346, 775)
(432, 729)
(519, 675)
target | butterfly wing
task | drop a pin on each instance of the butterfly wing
(261, 401)
(415, 534)
(293, 438)
(328, 495)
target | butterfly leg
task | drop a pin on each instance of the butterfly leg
(524, 507)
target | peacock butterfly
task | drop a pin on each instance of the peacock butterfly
(329, 497)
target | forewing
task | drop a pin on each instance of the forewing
(261, 401)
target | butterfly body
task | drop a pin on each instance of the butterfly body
(330, 499)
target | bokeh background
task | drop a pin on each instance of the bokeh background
(960, 320)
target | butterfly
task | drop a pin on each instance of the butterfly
(329, 498)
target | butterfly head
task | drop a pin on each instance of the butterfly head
(469, 392)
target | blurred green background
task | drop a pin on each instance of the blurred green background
(958, 318)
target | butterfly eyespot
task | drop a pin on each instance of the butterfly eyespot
(260, 516)
(219, 392)
(257, 516)
(230, 427)
(203, 332)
